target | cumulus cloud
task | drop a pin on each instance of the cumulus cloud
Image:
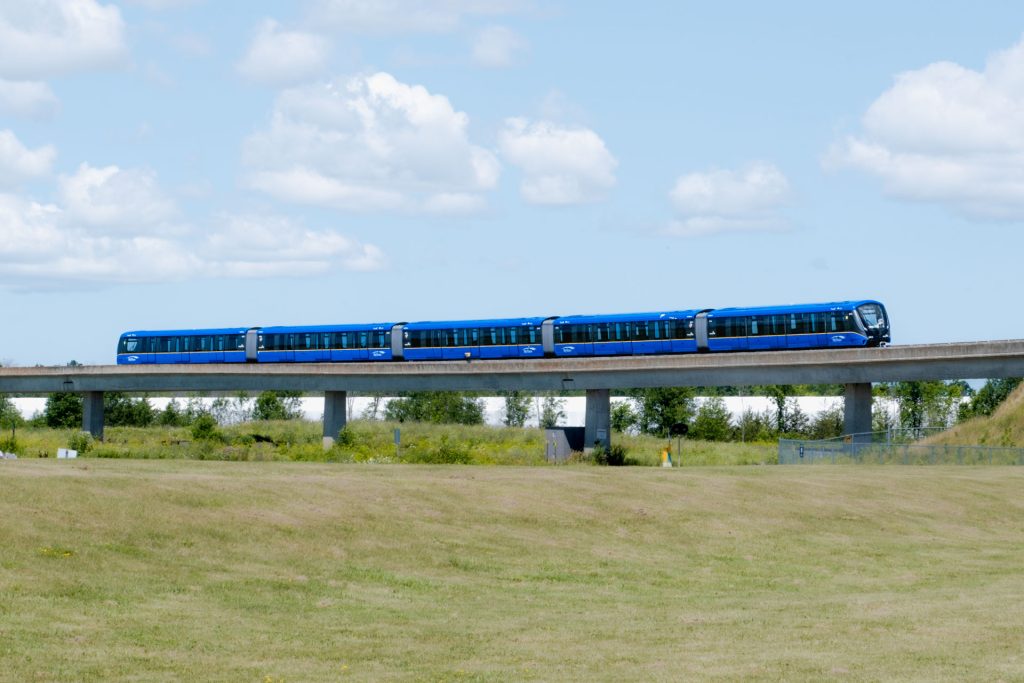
(370, 142)
(112, 225)
(560, 165)
(248, 246)
(404, 16)
(162, 4)
(47, 38)
(280, 57)
(114, 199)
(40, 246)
(948, 134)
(19, 163)
(46, 246)
(27, 99)
(497, 47)
(724, 200)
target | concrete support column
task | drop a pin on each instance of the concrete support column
(857, 415)
(92, 414)
(335, 415)
(598, 426)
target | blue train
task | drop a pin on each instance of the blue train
(803, 326)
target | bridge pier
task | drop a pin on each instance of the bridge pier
(857, 413)
(92, 414)
(335, 415)
(598, 426)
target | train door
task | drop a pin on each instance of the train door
(701, 331)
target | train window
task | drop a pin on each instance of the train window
(129, 345)
(871, 314)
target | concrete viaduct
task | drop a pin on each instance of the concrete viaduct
(856, 368)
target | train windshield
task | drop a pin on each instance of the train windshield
(873, 315)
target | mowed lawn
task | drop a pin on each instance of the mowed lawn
(183, 570)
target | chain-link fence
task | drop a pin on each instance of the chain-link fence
(856, 451)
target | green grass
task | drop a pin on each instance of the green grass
(370, 441)
(182, 570)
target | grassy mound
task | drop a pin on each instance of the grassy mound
(1005, 427)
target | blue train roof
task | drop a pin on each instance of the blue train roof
(455, 324)
(290, 329)
(792, 308)
(625, 317)
(186, 333)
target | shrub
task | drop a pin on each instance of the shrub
(205, 428)
(614, 456)
(81, 442)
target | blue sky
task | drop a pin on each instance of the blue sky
(189, 163)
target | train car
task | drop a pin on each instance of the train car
(215, 345)
(324, 343)
(466, 339)
(798, 326)
(625, 334)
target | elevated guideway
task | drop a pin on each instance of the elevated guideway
(856, 368)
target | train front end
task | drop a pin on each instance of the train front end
(875, 321)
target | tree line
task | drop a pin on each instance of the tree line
(913, 406)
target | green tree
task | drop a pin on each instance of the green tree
(63, 411)
(517, 408)
(623, 417)
(827, 424)
(989, 397)
(659, 409)
(552, 411)
(172, 415)
(120, 410)
(927, 404)
(9, 415)
(439, 407)
(274, 405)
(778, 394)
(712, 422)
(754, 426)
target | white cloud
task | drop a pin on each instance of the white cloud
(280, 57)
(47, 246)
(162, 4)
(370, 142)
(262, 246)
(404, 16)
(728, 201)
(948, 134)
(27, 99)
(561, 165)
(115, 200)
(45, 38)
(40, 248)
(18, 163)
(497, 47)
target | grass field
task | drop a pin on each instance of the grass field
(183, 570)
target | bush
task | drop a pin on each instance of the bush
(81, 442)
(614, 456)
(205, 428)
